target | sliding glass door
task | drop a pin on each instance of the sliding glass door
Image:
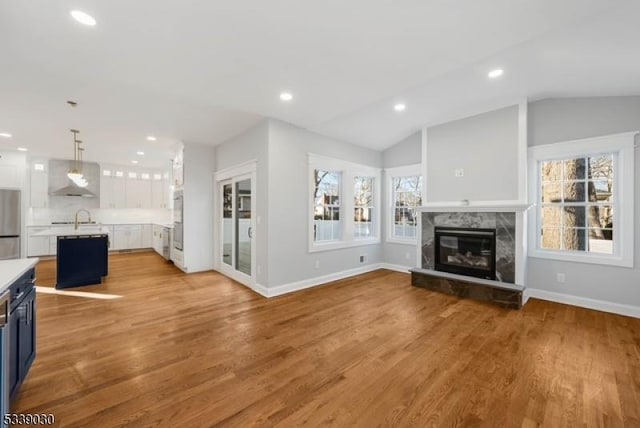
(237, 227)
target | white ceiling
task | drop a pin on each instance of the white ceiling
(204, 70)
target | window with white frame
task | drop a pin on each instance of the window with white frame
(326, 214)
(404, 196)
(583, 191)
(363, 207)
(344, 208)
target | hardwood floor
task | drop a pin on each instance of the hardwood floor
(201, 350)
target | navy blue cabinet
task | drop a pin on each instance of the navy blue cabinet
(22, 331)
(82, 260)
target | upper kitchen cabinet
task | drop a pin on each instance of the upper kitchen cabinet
(13, 168)
(127, 187)
(112, 187)
(39, 182)
(138, 192)
(178, 169)
(159, 190)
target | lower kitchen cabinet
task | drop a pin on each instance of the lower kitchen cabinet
(38, 246)
(22, 327)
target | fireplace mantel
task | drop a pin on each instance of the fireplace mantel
(480, 206)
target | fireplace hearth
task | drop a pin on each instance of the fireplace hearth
(466, 251)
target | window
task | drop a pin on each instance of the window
(581, 213)
(404, 196)
(576, 204)
(327, 226)
(363, 207)
(344, 211)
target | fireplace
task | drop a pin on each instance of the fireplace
(466, 251)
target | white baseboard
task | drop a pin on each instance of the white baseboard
(261, 289)
(584, 302)
(318, 280)
(396, 268)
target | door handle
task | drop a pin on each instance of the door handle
(250, 232)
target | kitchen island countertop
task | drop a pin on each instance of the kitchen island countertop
(71, 231)
(11, 270)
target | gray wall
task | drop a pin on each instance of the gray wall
(198, 207)
(485, 146)
(405, 152)
(289, 258)
(557, 120)
(252, 145)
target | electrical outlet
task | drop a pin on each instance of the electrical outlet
(259, 269)
(459, 172)
(363, 258)
(561, 277)
(317, 264)
(407, 255)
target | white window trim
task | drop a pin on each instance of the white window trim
(349, 171)
(623, 201)
(390, 174)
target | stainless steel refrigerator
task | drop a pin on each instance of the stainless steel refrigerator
(9, 224)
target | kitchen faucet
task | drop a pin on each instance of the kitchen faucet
(78, 212)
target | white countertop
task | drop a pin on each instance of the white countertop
(11, 270)
(167, 225)
(71, 231)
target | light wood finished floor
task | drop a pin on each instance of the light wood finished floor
(200, 350)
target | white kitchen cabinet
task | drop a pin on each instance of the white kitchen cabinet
(112, 188)
(127, 237)
(13, 169)
(39, 183)
(147, 236)
(138, 193)
(38, 246)
(159, 192)
(157, 238)
(178, 169)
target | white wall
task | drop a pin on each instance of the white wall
(557, 120)
(248, 146)
(485, 147)
(198, 207)
(405, 152)
(288, 205)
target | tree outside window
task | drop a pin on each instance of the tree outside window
(363, 207)
(576, 204)
(327, 226)
(407, 196)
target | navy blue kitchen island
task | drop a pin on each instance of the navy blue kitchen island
(82, 260)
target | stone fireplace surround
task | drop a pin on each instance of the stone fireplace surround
(509, 221)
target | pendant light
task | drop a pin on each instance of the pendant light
(75, 173)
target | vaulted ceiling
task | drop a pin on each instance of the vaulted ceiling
(202, 70)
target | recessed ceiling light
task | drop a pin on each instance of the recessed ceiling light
(494, 74)
(22, 149)
(151, 138)
(134, 161)
(399, 107)
(286, 96)
(5, 135)
(83, 18)
(140, 153)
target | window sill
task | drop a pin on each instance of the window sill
(591, 258)
(407, 241)
(337, 245)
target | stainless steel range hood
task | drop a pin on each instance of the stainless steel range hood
(74, 190)
(61, 185)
